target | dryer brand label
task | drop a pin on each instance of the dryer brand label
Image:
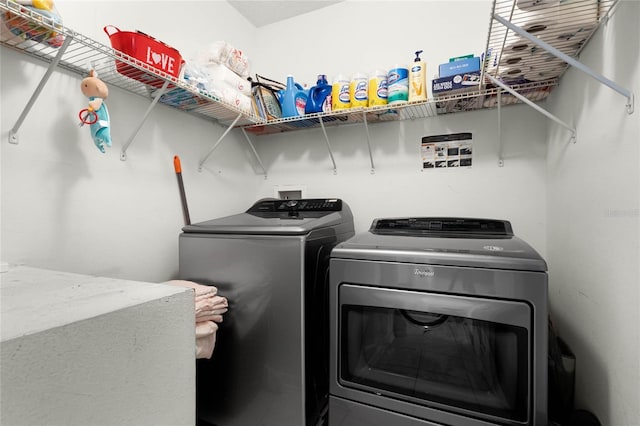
(423, 273)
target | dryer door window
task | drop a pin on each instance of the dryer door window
(448, 352)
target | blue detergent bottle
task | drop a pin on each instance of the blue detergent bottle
(293, 99)
(319, 96)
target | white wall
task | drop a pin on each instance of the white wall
(362, 36)
(593, 229)
(399, 188)
(65, 205)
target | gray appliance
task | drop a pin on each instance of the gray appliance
(438, 321)
(270, 363)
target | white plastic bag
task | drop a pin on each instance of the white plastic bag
(221, 52)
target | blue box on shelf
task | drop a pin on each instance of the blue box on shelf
(460, 66)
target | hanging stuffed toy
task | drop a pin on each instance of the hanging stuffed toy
(97, 114)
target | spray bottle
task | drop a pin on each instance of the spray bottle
(418, 79)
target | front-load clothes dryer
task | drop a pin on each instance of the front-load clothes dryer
(438, 321)
(270, 363)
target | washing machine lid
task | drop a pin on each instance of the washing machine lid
(485, 243)
(280, 217)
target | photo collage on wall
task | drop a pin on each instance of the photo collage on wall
(446, 151)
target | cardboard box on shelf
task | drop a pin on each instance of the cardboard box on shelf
(459, 66)
(456, 83)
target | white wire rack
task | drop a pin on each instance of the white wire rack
(511, 58)
(476, 98)
(40, 36)
(566, 25)
(537, 40)
(523, 70)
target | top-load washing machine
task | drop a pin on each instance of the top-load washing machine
(438, 321)
(270, 363)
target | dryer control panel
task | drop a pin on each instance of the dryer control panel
(443, 227)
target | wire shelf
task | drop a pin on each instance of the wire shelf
(443, 104)
(533, 72)
(42, 37)
(566, 25)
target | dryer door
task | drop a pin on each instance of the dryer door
(462, 355)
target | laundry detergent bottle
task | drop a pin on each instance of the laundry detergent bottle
(319, 96)
(293, 99)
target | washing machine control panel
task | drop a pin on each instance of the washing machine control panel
(304, 205)
(451, 227)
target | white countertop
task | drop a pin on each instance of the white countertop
(33, 300)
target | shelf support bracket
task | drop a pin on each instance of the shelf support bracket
(255, 153)
(500, 155)
(213, 148)
(13, 133)
(621, 90)
(157, 96)
(366, 128)
(534, 106)
(326, 138)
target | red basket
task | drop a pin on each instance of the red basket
(149, 51)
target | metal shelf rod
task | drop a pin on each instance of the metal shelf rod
(123, 153)
(326, 138)
(244, 132)
(486, 49)
(624, 92)
(213, 148)
(500, 145)
(13, 133)
(366, 128)
(533, 105)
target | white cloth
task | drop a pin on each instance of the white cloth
(205, 328)
(209, 308)
(199, 289)
(205, 339)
